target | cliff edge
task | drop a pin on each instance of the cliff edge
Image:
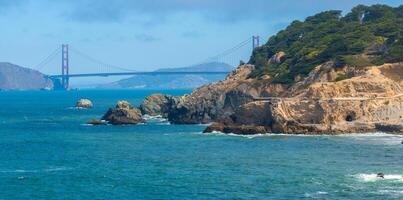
(330, 74)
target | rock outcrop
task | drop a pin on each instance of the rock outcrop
(277, 58)
(157, 104)
(364, 100)
(371, 96)
(123, 113)
(212, 102)
(84, 103)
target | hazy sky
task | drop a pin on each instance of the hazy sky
(145, 34)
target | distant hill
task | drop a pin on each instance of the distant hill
(14, 77)
(172, 81)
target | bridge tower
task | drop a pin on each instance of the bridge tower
(65, 66)
(256, 41)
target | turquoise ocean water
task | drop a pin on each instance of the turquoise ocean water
(46, 152)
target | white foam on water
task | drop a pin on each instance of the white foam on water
(55, 169)
(36, 171)
(369, 138)
(377, 138)
(219, 133)
(157, 118)
(397, 193)
(374, 177)
(76, 108)
(106, 124)
(164, 123)
(315, 194)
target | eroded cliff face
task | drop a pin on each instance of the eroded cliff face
(362, 100)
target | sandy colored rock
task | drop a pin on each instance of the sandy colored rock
(276, 58)
(372, 100)
(319, 103)
(84, 103)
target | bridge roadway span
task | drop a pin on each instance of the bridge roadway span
(137, 73)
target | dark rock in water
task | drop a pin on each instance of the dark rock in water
(123, 113)
(97, 122)
(380, 175)
(219, 127)
(84, 103)
(390, 128)
(236, 129)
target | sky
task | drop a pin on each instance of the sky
(145, 35)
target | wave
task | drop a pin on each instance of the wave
(375, 134)
(157, 118)
(354, 135)
(374, 177)
(219, 133)
(315, 194)
(265, 135)
(146, 117)
(164, 123)
(391, 192)
(76, 108)
(54, 169)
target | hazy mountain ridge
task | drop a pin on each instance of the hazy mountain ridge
(14, 77)
(173, 81)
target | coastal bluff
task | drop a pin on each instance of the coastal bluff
(331, 73)
(368, 99)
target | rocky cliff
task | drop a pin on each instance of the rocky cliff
(367, 98)
(329, 74)
(13, 77)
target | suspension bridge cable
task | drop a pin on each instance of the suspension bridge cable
(229, 51)
(49, 58)
(99, 62)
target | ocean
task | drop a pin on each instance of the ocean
(47, 152)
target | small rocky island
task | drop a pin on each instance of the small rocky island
(84, 103)
(123, 113)
(327, 75)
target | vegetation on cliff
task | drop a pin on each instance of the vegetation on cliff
(368, 35)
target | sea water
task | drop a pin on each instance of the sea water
(47, 152)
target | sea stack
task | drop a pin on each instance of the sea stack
(123, 113)
(84, 103)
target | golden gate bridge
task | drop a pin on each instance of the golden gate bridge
(62, 81)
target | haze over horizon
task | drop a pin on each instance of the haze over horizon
(146, 35)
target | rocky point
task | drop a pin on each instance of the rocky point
(368, 99)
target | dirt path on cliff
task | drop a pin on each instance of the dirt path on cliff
(268, 99)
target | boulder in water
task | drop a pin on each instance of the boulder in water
(84, 103)
(123, 113)
(380, 175)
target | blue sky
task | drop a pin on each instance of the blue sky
(146, 34)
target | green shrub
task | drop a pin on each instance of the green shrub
(328, 36)
(341, 77)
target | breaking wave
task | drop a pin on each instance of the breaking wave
(53, 169)
(374, 177)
